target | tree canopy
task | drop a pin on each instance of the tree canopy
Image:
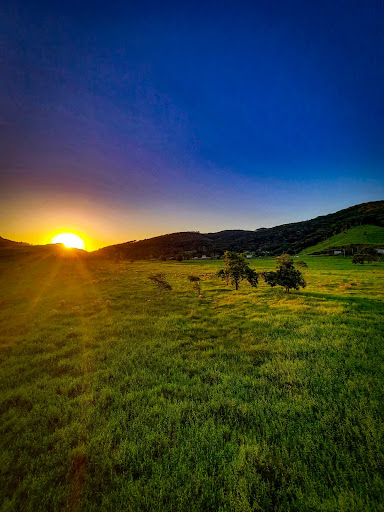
(236, 268)
(367, 254)
(286, 275)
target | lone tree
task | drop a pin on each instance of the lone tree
(367, 254)
(286, 275)
(196, 282)
(236, 268)
(160, 282)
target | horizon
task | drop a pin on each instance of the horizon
(86, 240)
(120, 125)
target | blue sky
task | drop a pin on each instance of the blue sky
(127, 120)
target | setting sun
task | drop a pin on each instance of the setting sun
(70, 240)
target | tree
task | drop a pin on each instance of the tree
(236, 268)
(367, 254)
(195, 280)
(286, 275)
(285, 260)
(160, 282)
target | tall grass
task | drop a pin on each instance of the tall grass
(117, 399)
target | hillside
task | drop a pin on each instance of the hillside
(5, 243)
(14, 250)
(358, 235)
(291, 238)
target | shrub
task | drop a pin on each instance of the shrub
(160, 282)
(196, 282)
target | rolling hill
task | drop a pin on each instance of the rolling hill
(16, 250)
(291, 238)
(359, 235)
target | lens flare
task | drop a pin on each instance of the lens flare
(70, 240)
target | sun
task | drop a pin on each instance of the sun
(69, 240)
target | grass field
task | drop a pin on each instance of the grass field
(359, 235)
(237, 401)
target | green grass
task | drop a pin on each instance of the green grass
(374, 235)
(238, 401)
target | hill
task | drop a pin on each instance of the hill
(291, 238)
(15, 250)
(4, 243)
(356, 236)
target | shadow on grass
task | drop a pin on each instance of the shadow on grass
(221, 290)
(362, 303)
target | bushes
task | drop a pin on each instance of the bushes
(196, 282)
(367, 254)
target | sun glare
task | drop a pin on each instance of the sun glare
(69, 240)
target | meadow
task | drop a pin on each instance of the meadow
(115, 398)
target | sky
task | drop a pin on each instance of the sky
(126, 120)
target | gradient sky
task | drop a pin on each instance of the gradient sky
(126, 120)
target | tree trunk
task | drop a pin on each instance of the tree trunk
(287, 290)
(236, 285)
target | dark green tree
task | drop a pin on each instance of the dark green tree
(236, 268)
(367, 254)
(286, 275)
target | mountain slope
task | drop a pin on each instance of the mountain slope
(358, 235)
(291, 238)
(4, 243)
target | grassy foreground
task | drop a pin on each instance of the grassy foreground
(237, 401)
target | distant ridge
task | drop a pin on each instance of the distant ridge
(14, 250)
(291, 238)
(10, 243)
